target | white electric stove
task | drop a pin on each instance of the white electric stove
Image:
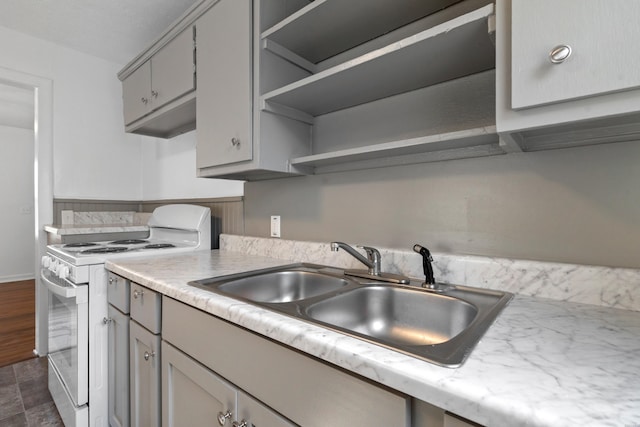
(78, 328)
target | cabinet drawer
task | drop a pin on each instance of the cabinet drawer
(146, 307)
(603, 37)
(303, 389)
(118, 291)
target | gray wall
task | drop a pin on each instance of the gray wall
(579, 205)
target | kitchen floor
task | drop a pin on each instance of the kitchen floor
(24, 395)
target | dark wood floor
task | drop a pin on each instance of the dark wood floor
(17, 321)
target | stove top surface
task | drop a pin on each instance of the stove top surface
(99, 252)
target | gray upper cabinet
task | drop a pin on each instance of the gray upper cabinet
(136, 93)
(158, 86)
(566, 72)
(234, 138)
(158, 95)
(572, 49)
(223, 107)
(173, 70)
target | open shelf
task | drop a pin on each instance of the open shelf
(457, 48)
(325, 28)
(481, 141)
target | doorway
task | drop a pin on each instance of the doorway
(42, 90)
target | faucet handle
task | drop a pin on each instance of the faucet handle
(372, 253)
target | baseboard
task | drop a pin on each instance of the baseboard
(17, 278)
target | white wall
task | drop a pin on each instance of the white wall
(169, 171)
(17, 220)
(93, 157)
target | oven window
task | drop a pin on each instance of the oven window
(67, 326)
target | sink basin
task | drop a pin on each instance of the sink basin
(397, 316)
(440, 326)
(281, 286)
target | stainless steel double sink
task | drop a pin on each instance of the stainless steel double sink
(440, 326)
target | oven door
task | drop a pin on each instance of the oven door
(69, 334)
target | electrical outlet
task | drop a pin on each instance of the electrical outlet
(66, 217)
(275, 226)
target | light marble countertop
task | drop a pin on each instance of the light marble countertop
(73, 229)
(542, 363)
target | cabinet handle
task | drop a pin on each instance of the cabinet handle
(107, 320)
(222, 418)
(235, 142)
(242, 423)
(144, 100)
(560, 53)
(137, 294)
(154, 93)
(147, 355)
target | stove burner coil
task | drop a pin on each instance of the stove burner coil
(105, 250)
(128, 242)
(159, 246)
(79, 245)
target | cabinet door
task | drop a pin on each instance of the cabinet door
(118, 368)
(192, 395)
(223, 104)
(173, 70)
(604, 38)
(144, 376)
(256, 414)
(136, 93)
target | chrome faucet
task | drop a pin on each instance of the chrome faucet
(373, 256)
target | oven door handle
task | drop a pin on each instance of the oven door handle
(68, 291)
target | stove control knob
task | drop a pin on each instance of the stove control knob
(63, 271)
(53, 265)
(45, 261)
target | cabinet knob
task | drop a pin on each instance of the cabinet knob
(110, 280)
(242, 423)
(235, 142)
(138, 293)
(222, 418)
(107, 320)
(144, 100)
(147, 355)
(154, 93)
(560, 53)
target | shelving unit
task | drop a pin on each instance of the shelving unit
(476, 142)
(454, 49)
(383, 83)
(327, 27)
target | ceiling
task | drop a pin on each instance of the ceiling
(115, 30)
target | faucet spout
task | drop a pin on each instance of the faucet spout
(372, 261)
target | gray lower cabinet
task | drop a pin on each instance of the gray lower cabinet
(118, 290)
(306, 391)
(118, 368)
(144, 376)
(144, 354)
(194, 395)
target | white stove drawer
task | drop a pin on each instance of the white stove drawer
(146, 307)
